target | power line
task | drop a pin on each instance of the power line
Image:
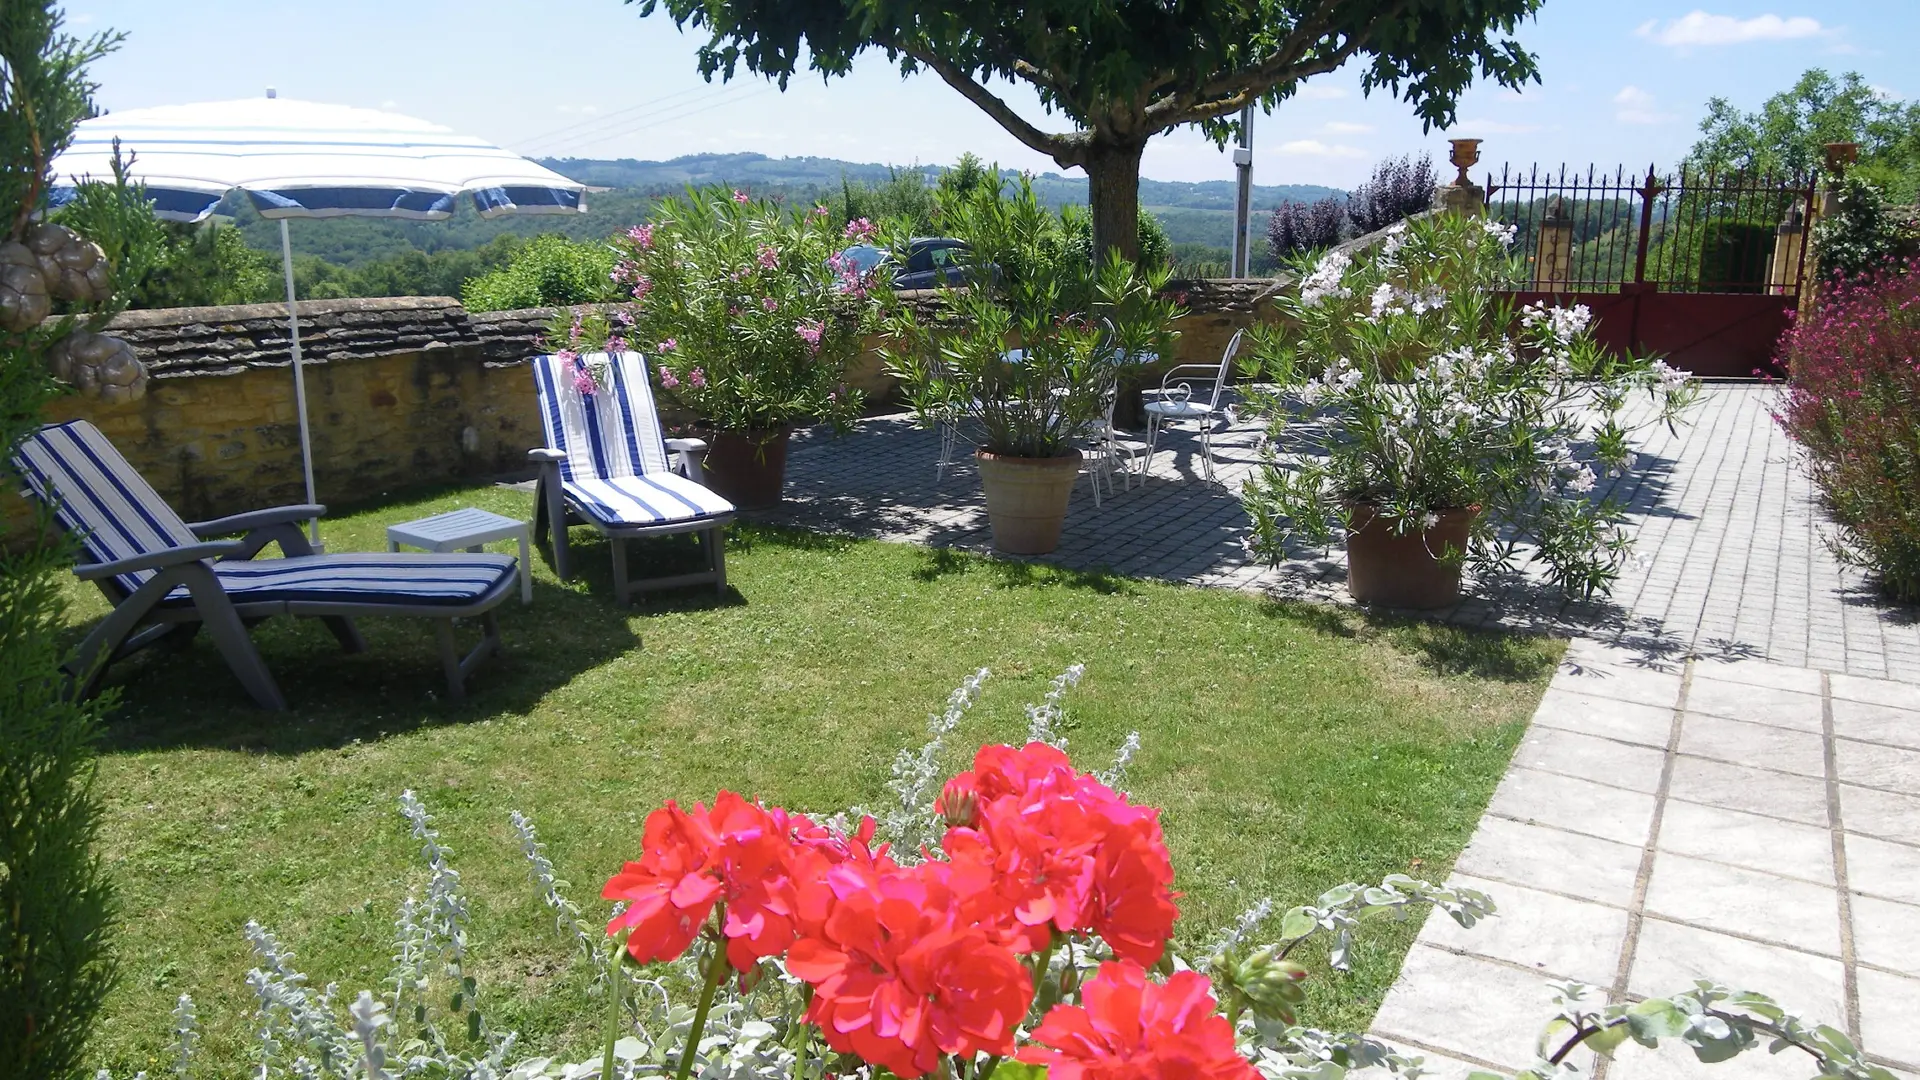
(536, 140)
(653, 121)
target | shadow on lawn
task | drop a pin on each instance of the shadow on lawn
(940, 562)
(1502, 655)
(188, 698)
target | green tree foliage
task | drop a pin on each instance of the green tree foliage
(1122, 72)
(55, 903)
(903, 196)
(160, 264)
(1862, 234)
(1787, 132)
(547, 271)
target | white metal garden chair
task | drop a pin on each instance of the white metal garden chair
(1104, 453)
(1173, 402)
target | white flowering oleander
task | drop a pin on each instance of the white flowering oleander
(1581, 480)
(1386, 301)
(1564, 323)
(1325, 281)
(1502, 233)
(1396, 239)
(1671, 379)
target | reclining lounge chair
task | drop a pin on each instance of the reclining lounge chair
(605, 465)
(166, 578)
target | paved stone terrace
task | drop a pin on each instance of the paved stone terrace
(1746, 822)
(1731, 564)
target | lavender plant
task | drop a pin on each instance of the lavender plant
(1403, 385)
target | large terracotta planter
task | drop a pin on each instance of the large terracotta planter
(1027, 499)
(1413, 570)
(748, 468)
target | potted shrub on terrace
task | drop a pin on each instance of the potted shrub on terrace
(751, 316)
(1027, 354)
(1411, 404)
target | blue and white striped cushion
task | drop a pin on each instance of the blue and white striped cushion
(654, 499)
(612, 432)
(375, 578)
(98, 496)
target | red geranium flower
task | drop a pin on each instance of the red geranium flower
(900, 977)
(1068, 853)
(738, 852)
(1132, 1028)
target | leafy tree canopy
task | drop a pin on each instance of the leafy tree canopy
(1787, 132)
(1122, 71)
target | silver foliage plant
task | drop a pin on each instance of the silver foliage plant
(754, 1033)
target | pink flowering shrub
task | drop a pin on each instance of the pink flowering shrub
(1853, 402)
(748, 311)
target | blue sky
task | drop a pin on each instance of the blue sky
(1623, 82)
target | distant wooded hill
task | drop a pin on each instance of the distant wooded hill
(1193, 213)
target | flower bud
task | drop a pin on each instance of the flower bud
(957, 805)
(1271, 985)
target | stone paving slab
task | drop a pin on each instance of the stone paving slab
(1755, 860)
(1732, 561)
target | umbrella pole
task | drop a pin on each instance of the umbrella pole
(299, 380)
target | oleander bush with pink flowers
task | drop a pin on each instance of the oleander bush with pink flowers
(749, 310)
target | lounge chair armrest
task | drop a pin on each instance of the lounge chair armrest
(257, 519)
(159, 560)
(544, 454)
(693, 458)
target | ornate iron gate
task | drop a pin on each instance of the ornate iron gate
(1704, 270)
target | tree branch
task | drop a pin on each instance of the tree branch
(1061, 148)
(1236, 90)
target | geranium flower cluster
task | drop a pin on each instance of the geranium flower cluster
(910, 965)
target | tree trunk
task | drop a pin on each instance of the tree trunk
(1113, 189)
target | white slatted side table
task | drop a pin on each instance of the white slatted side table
(467, 530)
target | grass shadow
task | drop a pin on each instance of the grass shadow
(187, 697)
(936, 563)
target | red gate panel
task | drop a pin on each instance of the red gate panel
(1717, 335)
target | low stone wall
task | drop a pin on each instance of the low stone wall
(402, 393)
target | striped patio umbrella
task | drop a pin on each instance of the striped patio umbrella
(300, 159)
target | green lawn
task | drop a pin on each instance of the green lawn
(1292, 748)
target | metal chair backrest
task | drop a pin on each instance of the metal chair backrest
(1226, 368)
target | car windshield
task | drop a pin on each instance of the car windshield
(864, 257)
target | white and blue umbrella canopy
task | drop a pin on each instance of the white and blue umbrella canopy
(302, 159)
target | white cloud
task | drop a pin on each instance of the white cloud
(1316, 148)
(1636, 106)
(1347, 127)
(1321, 92)
(389, 104)
(1700, 28)
(583, 110)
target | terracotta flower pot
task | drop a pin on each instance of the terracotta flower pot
(748, 468)
(1408, 570)
(1027, 499)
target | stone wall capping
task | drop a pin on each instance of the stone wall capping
(398, 384)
